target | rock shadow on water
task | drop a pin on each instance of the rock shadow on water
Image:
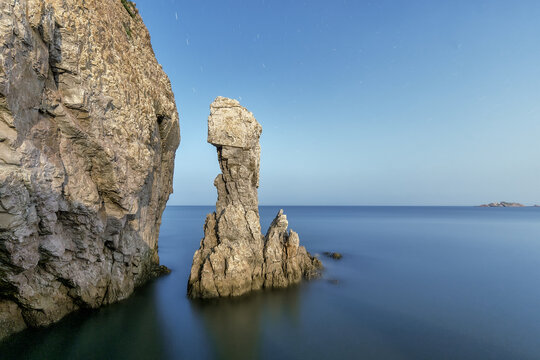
(130, 329)
(235, 325)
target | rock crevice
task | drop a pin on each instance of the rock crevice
(234, 257)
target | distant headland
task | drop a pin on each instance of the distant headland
(504, 204)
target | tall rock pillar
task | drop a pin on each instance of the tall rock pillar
(234, 257)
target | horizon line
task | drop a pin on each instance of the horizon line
(348, 205)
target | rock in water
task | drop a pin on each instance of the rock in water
(88, 133)
(503, 204)
(333, 255)
(234, 257)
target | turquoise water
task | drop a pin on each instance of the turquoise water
(414, 283)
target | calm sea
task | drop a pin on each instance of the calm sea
(414, 283)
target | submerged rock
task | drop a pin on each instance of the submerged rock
(88, 133)
(333, 255)
(234, 257)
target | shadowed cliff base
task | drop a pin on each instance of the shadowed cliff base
(234, 257)
(95, 334)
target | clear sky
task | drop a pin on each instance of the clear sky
(416, 102)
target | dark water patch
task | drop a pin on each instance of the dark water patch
(127, 330)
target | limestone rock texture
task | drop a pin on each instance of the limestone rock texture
(88, 133)
(234, 257)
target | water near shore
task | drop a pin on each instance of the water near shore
(414, 283)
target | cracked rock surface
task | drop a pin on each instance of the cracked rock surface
(88, 133)
(234, 257)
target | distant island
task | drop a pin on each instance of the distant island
(503, 204)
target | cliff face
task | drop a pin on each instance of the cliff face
(88, 132)
(234, 257)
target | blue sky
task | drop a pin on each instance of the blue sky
(361, 102)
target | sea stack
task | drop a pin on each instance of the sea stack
(88, 133)
(234, 257)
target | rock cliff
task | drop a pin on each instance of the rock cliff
(88, 133)
(234, 257)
